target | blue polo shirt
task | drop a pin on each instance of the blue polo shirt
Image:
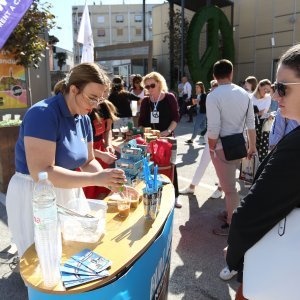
(51, 120)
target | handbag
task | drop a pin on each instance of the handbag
(272, 265)
(248, 169)
(234, 146)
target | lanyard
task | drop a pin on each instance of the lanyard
(156, 103)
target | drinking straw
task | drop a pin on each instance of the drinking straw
(155, 178)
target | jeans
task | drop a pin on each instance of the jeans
(200, 125)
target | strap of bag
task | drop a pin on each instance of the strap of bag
(245, 116)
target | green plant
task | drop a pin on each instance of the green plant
(175, 30)
(61, 59)
(28, 40)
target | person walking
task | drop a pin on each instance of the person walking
(229, 110)
(200, 103)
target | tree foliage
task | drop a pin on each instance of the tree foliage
(61, 59)
(27, 42)
(177, 33)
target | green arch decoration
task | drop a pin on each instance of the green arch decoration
(201, 68)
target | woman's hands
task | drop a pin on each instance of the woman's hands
(164, 133)
(113, 179)
(110, 149)
(106, 157)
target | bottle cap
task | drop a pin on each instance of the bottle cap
(43, 175)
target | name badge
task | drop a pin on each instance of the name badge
(154, 117)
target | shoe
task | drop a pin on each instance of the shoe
(187, 190)
(222, 216)
(178, 203)
(216, 194)
(222, 231)
(225, 274)
(189, 142)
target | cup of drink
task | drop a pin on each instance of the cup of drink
(124, 207)
(17, 117)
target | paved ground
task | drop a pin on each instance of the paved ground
(197, 256)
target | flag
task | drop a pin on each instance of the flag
(85, 37)
(11, 12)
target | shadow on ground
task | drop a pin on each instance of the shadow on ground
(202, 256)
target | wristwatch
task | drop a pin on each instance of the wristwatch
(169, 130)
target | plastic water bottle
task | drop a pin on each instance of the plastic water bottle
(47, 233)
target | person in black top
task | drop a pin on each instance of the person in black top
(276, 190)
(199, 102)
(121, 99)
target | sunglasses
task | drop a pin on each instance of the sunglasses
(280, 87)
(150, 86)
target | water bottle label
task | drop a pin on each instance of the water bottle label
(42, 217)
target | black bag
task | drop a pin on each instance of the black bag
(234, 146)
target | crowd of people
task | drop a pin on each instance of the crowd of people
(73, 143)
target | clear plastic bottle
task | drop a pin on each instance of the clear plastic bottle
(47, 233)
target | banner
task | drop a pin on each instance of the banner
(85, 37)
(13, 93)
(11, 12)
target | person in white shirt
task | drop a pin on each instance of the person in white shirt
(229, 110)
(187, 94)
(261, 99)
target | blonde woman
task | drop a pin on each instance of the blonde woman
(160, 111)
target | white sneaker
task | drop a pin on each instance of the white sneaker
(178, 203)
(187, 190)
(225, 274)
(216, 194)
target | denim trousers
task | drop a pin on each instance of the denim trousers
(200, 125)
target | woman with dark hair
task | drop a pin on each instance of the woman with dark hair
(56, 137)
(200, 105)
(121, 99)
(275, 191)
(250, 84)
(138, 91)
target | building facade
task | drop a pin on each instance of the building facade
(113, 25)
(263, 30)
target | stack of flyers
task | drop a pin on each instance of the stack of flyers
(84, 267)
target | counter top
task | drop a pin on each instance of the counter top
(124, 242)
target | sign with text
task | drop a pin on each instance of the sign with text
(13, 93)
(11, 12)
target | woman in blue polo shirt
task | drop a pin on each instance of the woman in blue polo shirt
(56, 137)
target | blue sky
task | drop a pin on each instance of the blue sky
(63, 12)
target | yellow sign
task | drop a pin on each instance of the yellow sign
(13, 92)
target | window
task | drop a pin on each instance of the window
(100, 19)
(119, 31)
(138, 31)
(119, 19)
(101, 32)
(138, 18)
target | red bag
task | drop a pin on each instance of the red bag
(161, 151)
